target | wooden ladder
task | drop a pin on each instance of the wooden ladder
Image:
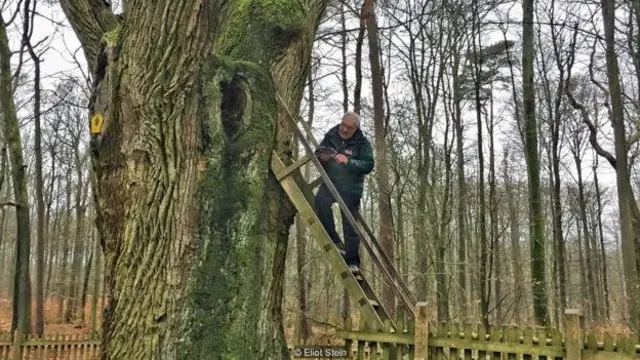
(300, 193)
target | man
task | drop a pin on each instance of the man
(346, 156)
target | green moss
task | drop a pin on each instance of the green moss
(225, 292)
(111, 37)
(258, 29)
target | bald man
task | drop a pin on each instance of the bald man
(347, 156)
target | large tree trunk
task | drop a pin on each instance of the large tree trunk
(384, 187)
(40, 257)
(11, 130)
(462, 188)
(85, 287)
(605, 282)
(346, 305)
(514, 235)
(66, 233)
(190, 219)
(79, 239)
(51, 233)
(627, 206)
(493, 212)
(483, 275)
(97, 267)
(536, 217)
(588, 249)
(303, 329)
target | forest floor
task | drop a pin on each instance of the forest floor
(52, 325)
(321, 333)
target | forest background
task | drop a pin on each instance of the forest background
(452, 200)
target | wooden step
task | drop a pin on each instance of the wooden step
(293, 167)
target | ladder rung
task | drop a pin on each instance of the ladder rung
(315, 183)
(293, 167)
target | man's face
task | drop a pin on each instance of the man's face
(348, 127)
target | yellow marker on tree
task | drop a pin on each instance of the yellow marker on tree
(96, 123)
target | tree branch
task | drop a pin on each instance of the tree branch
(583, 111)
(9, 203)
(90, 19)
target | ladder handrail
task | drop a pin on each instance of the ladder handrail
(395, 279)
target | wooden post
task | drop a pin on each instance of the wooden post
(421, 332)
(17, 345)
(573, 334)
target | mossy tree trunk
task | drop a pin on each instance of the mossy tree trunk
(191, 220)
(21, 311)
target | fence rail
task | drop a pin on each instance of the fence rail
(56, 347)
(428, 341)
(465, 341)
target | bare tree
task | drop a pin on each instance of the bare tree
(536, 228)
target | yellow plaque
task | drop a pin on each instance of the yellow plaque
(96, 123)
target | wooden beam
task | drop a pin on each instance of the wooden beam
(378, 337)
(293, 167)
(315, 183)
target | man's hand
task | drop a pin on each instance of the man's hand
(341, 159)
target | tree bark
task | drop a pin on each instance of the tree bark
(357, 91)
(514, 232)
(493, 211)
(79, 238)
(384, 187)
(346, 305)
(40, 239)
(588, 250)
(97, 267)
(343, 52)
(85, 287)
(555, 118)
(605, 282)
(462, 187)
(21, 311)
(483, 275)
(583, 281)
(536, 226)
(51, 234)
(190, 151)
(66, 233)
(627, 206)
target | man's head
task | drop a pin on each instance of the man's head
(350, 123)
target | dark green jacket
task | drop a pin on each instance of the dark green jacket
(349, 177)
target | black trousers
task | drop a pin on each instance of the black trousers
(323, 202)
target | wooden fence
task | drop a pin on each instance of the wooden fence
(77, 347)
(428, 341)
(454, 341)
